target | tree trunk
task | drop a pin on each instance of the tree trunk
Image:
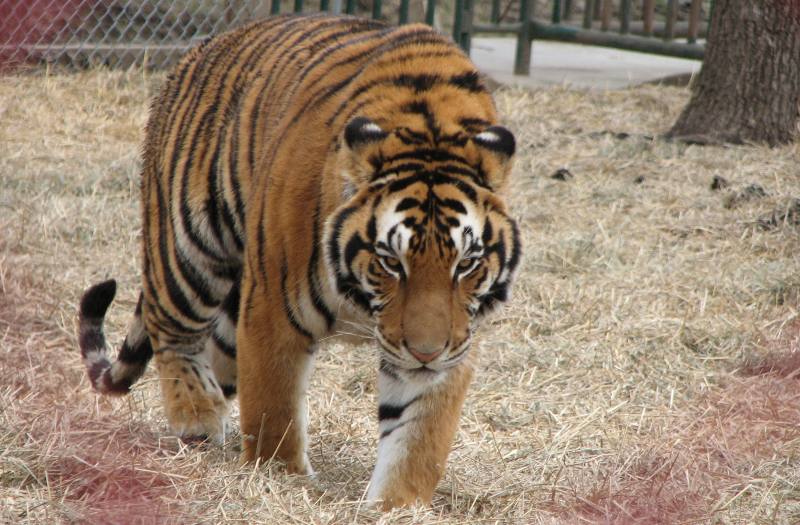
(748, 89)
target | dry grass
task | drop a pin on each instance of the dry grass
(646, 372)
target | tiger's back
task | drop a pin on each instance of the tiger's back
(287, 165)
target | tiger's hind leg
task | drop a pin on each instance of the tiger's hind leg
(194, 373)
(222, 343)
(193, 399)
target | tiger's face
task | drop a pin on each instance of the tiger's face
(424, 245)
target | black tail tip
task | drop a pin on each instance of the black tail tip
(96, 300)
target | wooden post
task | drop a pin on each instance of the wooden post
(694, 20)
(648, 12)
(567, 9)
(605, 15)
(672, 13)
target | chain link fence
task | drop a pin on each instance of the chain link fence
(117, 33)
(155, 33)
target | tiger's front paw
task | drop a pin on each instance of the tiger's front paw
(388, 498)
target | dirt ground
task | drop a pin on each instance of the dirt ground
(646, 371)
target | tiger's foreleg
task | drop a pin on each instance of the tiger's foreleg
(274, 362)
(417, 422)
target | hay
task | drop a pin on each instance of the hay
(645, 371)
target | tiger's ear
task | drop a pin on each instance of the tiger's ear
(498, 146)
(362, 140)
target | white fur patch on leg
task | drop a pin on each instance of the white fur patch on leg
(397, 410)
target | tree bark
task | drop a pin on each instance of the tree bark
(748, 89)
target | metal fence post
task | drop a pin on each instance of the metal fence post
(402, 17)
(522, 60)
(430, 12)
(588, 12)
(462, 24)
(625, 17)
(496, 11)
(556, 17)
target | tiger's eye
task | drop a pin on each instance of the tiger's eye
(465, 264)
(391, 264)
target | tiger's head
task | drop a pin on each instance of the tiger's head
(423, 243)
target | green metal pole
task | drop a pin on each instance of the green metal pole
(588, 12)
(458, 20)
(298, 6)
(324, 5)
(522, 58)
(495, 11)
(430, 12)
(625, 17)
(350, 7)
(403, 16)
(377, 6)
(275, 7)
(556, 19)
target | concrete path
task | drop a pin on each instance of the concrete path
(574, 65)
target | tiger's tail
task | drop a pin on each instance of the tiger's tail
(107, 377)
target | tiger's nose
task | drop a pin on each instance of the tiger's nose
(426, 355)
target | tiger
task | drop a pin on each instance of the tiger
(296, 171)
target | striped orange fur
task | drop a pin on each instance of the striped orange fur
(294, 169)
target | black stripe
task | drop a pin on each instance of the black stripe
(388, 411)
(454, 205)
(234, 174)
(365, 26)
(228, 391)
(407, 203)
(231, 303)
(287, 309)
(474, 124)
(386, 433)
(136, 355)
(261, 238)
(355, 109)
(191, 127)
(174, 292)
(284, 40)
(313, 266)
(469, 80)
(224, 347)
(429, 155)
(408, 166)
(397, 41)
